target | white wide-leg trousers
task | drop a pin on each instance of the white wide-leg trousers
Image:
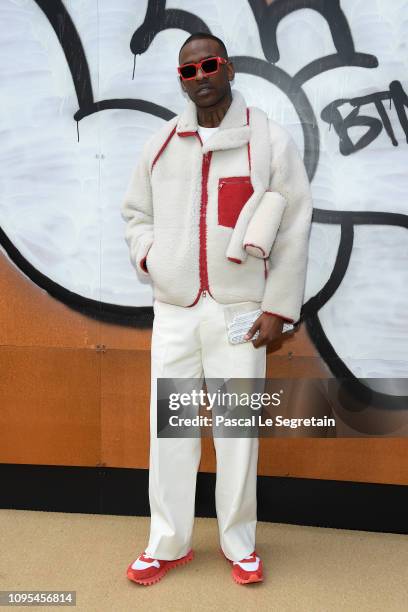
(192, 343)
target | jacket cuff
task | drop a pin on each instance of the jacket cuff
(276, 314)
(143, 264)
(142, 252)
(264, 224)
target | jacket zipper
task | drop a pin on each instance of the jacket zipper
(203, 272)
(203, 224)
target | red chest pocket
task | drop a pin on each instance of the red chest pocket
(233, 193)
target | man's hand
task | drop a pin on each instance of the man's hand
(270, 328)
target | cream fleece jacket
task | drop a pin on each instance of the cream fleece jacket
(230, 217)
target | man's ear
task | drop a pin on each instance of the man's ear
(230, 70)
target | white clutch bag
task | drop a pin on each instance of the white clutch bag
(239, 324)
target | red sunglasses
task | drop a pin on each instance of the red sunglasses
(210, 65)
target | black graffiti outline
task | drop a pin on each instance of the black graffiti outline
(332, 116)
(157, 19)
(67, 35)
(268, 18)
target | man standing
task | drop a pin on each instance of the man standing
(218, 214)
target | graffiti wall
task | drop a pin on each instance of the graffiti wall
(85, 82)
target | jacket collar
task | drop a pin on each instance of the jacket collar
(233, 131)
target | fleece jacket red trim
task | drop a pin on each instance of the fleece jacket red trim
(249, 147)
(164, 145)
(279, 315)
(203, 221)
(142, 264)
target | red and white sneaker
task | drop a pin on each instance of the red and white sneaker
(249, 569)
(146, 570)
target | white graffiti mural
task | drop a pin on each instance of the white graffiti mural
(84, 84)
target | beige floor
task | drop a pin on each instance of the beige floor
(307, 569)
